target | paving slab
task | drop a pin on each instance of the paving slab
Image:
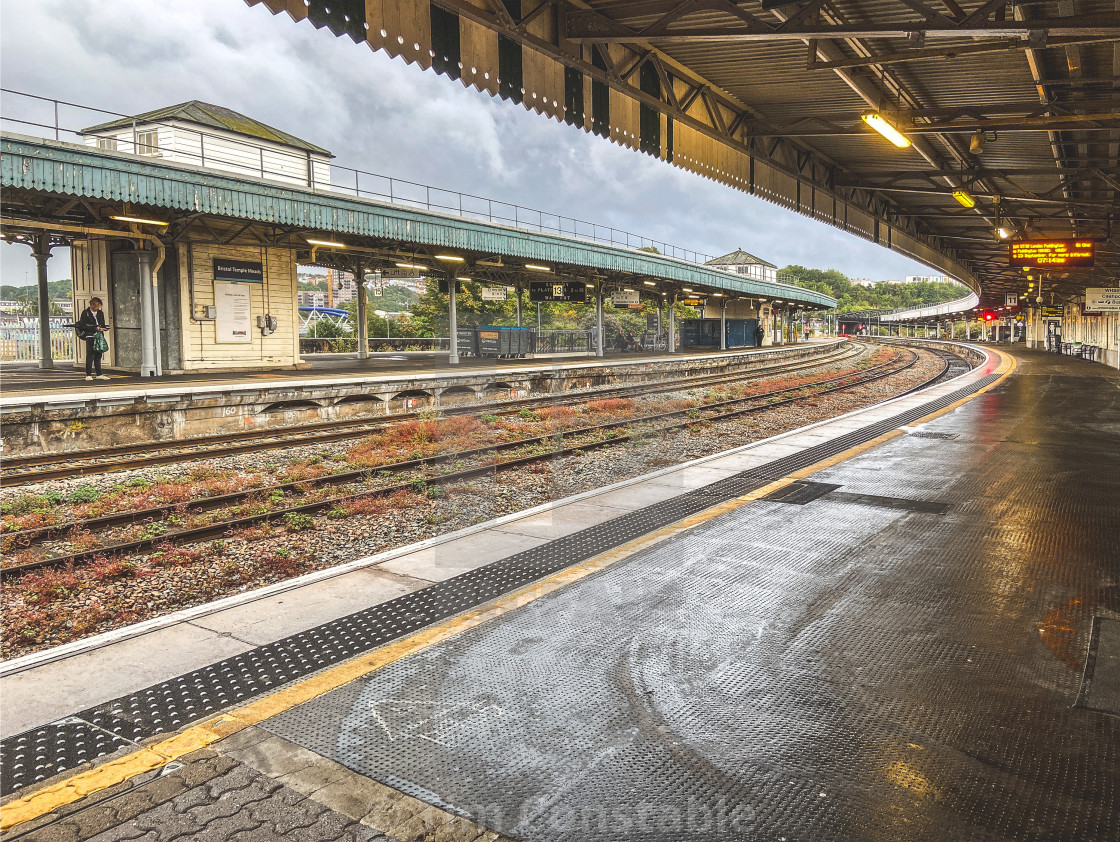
(265, 620)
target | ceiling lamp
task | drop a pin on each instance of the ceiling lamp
(880, 124)
(329, 243)
(965, 198)
(451, 258)
(537, 268)
(976, 142)
(139, 220)
(1003, 233)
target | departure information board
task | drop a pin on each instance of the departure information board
(1051, 254)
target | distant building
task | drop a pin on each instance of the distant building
(937, 279)
(306, 298)
(864, 282)
(217, 138)
(743, 263)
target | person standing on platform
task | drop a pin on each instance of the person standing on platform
(92, 327)
(758, 334)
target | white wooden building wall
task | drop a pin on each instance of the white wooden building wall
(1101, 329)
(228, 152)
(276, 296)
(89, 267)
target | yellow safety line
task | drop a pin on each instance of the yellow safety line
(199, 736)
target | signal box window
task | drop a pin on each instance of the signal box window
(147, 143)
(109, 144)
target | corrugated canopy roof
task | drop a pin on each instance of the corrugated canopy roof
(214, 117)
(1014, 102)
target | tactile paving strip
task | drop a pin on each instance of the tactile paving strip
(38, 754)
(170, 705)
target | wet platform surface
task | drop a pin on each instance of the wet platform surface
(921, 641)
(837, 669)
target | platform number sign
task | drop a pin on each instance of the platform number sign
(1011, 299)
(575, 291)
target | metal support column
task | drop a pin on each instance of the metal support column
(453, 327)
(42, 253)
(147, 324)
(518, 290)
(723, 324)
(672, 324)
(363, 319)
(599, 345)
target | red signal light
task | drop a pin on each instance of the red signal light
(988, 316)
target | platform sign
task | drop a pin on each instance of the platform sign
(573, 291)
(400, 273)
(1051, 254)
(234, 321)
(240, 271)
(626, 298)
(693, 302)
(1011, 299)
(494, 293)
(1102, 300)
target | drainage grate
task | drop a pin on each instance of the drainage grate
(188, 698)
(942, 436)
(1100, 685)
(800, 493)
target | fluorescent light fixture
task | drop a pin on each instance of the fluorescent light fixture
(461, 278)
(537, 268)
(880, 124)
(412, 266)
(330, 243)
(590, 286)
(718, 294)
(649, 283)
(451, 258)
(685, 289)
(140, 220)
(625, 289)
(965, 198)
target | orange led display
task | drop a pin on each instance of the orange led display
(1049, 254)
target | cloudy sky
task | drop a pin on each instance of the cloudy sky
(384, 116)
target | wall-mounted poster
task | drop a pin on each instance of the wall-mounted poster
(235, 313)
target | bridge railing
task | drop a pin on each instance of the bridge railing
(947, 308)
(28, 113)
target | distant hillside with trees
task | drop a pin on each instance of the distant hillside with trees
(882, 296)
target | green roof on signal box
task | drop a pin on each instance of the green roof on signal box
(214, 117)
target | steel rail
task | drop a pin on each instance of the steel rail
(221, 528)
(28, 537)
(328, 431)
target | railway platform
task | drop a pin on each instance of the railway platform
(57, 410)
(902, 623)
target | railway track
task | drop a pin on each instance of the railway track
(25, 470)
(585, 438)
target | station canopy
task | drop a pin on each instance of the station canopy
(1007, 112)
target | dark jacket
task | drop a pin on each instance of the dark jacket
(89, 322)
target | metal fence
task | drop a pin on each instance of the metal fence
(21, 344)
(564, 342)
(349, 344)
(27, 113)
